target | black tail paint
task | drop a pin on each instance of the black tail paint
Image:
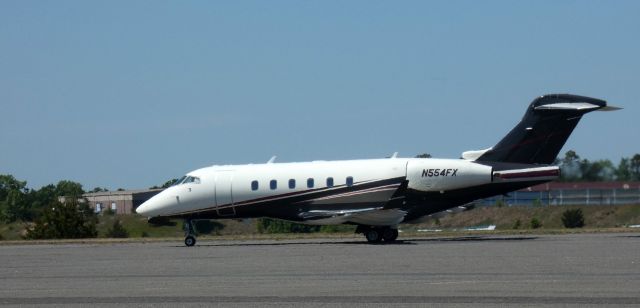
(543, 130)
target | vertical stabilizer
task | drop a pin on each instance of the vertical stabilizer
(543, 130)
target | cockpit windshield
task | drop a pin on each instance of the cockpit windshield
(179, 181)
(192, 179)
(187, 179)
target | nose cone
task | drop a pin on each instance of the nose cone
(144, 209)
(158, 205)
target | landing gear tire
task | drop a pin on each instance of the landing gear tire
(373, 235)
(389, 235)
(189, 233)
(190, 240)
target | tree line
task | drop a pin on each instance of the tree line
(48, 216)
(18, 202)
(577, 169)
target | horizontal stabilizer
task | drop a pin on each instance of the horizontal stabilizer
(568, 106)
(527, 174)
(473, 155)
(609, 108)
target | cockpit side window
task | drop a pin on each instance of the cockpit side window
(179, 181)
(187, 179)
(192, 179)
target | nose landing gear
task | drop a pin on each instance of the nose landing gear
(189, 233)
(190, 240)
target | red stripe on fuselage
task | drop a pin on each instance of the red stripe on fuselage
(529, 174)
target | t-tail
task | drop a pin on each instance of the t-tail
(542, 132)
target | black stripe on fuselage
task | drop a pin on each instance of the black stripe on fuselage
(289, 205)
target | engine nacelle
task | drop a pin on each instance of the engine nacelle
(439, 175)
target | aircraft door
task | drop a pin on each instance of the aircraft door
(224, 193)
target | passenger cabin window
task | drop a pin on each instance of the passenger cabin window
(329, 182)
(273, 184)
(292, 183)
(254, 185)
(349, 181)
(310, 183)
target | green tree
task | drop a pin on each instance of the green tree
(208, 226)
(635, 167)
(166, 184)
(570, 166)
(517, 224)
(535, 223)
(71, 219)
(14, 206)
(69, 189)
(9, 183)
(573, 218)
(38, 200)
(169, 183)
(575, 169)
(599, 170)
(424, 155)
(623, 172)
(117, 230)
(98, 189)
(13, 202)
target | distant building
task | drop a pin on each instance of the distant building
(572, 193)
(121, 202)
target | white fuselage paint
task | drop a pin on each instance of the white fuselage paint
(222, 187)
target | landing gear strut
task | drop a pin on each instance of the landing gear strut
(378, 234)
(189, 233)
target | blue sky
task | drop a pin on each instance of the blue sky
(132, 93)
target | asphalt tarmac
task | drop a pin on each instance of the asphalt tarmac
(479, 271)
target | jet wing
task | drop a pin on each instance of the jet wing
(369, 216)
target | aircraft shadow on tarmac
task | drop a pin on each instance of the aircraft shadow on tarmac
(359, 242)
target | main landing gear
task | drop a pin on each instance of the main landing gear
(189, 233)
(378, 234)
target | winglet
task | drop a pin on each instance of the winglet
(273, 158)
(394, 155)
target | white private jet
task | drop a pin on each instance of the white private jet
(377, 194)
